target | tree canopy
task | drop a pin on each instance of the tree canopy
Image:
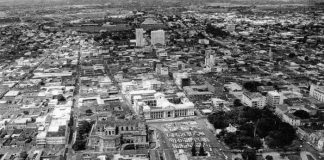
(252, 86)
(252, 125)
(301, 114)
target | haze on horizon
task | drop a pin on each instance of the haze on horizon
(76, 2)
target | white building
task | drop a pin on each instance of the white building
(253, 99)
(179, 76)
(234, 89)
(140, 41)
(317, 92)
(158, 36)
(274, 99)
(57, 132)
(163, 107)
(209, 59)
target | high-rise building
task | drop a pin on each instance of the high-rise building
(158, 37)
(270, 55)
(139, 37)
(274, 99)
(209, 59)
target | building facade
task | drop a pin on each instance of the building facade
(317, 92)
(158, 37)
(274, 99)
(110, 133)
(253, 99)
(140, 41)
(163, 108)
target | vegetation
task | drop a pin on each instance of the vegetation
(237, 103)
(61, 98)
(268, 157)
(23, 155)
(193, 149)
(252, 86)
(89, 112)
(216, 32)
(301, 114)
(82, 135)
(253, 124)
(249, 155)
(202, 150)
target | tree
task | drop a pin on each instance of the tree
(230, 139)
(71, 121)
(193, 149)
(252, 86)
(268, 157)
(301, 114)
(25, 112)
(42, 83)
(23, 155)
(202, 150)
(249, 155)
(237, 103)
(292, 55)
(282, 136)
(84, 128)
(79, 145)
(89, 112)
(218, 120)
(215, 31)
(61, 98)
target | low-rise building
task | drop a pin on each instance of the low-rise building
(317, 92)
(164, 108)
(108, 134)
(198, 92)
(253, 99)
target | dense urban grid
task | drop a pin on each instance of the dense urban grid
(212, 81)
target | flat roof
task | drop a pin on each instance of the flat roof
(12, 93)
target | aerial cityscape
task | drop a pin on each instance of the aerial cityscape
(161, 80)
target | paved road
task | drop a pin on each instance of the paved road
(217, 146)
(165, 146)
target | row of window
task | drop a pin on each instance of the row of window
(180, 113)
(157, 115)
(319, 96)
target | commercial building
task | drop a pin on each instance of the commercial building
(198, 92)
(253, 99)
(140, 41)
(317, 92)
(158, 37)
(57, 132)
(274, 99)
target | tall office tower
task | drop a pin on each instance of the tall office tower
(139, 37)
(270, 55)
(158, 36)
(209, 59)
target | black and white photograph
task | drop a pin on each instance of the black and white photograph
(161, 79)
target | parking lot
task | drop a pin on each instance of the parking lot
(181, 135)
